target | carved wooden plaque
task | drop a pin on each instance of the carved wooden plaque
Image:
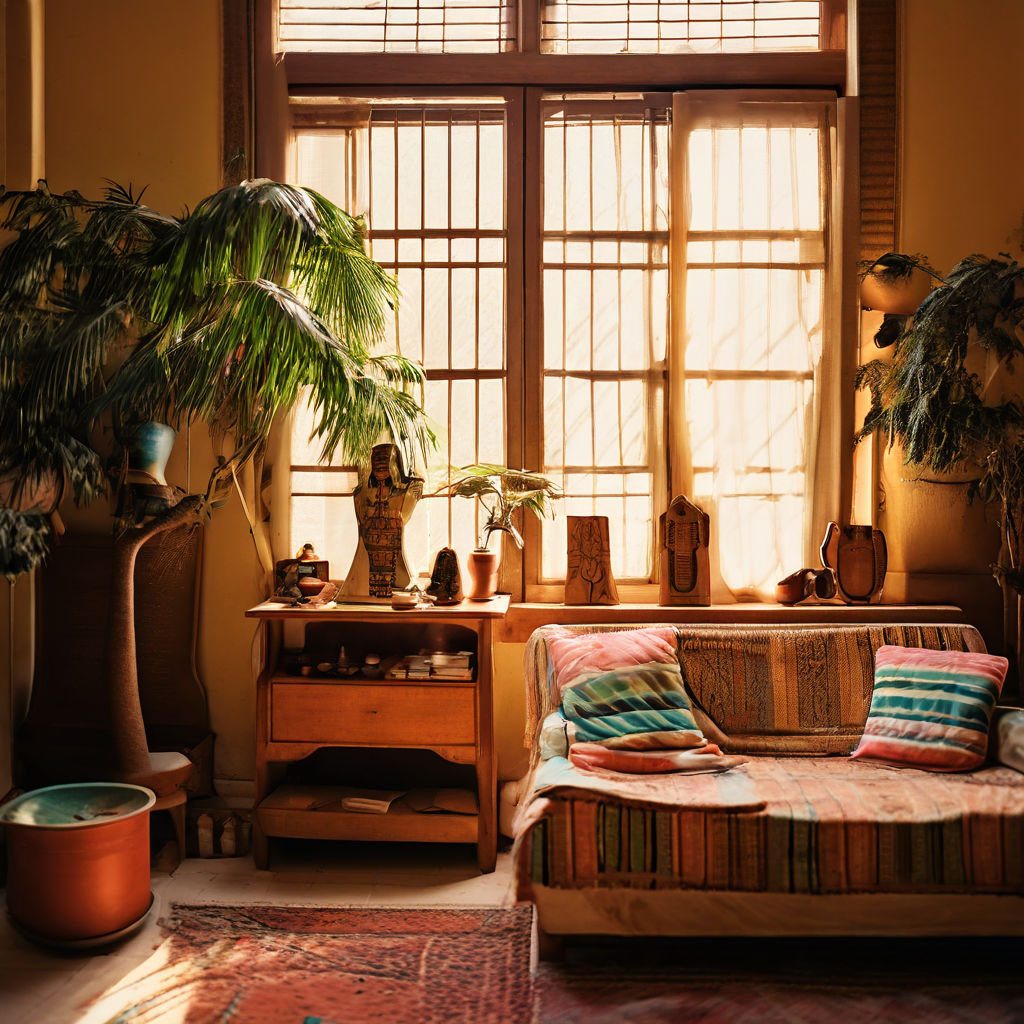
(684, 532)
(589, 578)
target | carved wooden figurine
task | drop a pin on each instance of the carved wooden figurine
(589, 579)
(858, 557)
(684, 532)
(446, 579)
(384, 500)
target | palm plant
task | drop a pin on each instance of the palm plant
(503, 492)
(115, 314)
(931, 401)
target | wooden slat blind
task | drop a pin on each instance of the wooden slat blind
(878, 40)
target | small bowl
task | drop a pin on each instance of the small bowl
(403, 599)
(310, 586)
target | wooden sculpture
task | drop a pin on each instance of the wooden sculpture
(858, 557)
(589, 578)
(684, 532)
(384, 500)
(446, 579)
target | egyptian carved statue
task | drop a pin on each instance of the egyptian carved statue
(446, 579)
(384, 501)
(685, 531)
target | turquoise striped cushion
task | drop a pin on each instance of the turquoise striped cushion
(637, 706)
(931, 709)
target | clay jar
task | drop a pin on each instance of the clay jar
(482, 566)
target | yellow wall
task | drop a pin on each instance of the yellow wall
(133, 93)
(962, 193)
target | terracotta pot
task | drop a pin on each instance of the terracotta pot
(78, 860)
(482, 566)
(901, 296)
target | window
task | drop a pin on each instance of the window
(679, 26)
(429, 177)
(397, 26)
(626, 289)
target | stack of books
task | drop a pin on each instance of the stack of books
(433, 665)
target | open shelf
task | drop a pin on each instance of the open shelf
(281, 814)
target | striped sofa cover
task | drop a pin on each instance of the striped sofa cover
(795, 700)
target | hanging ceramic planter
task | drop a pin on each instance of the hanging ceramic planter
(149, 447)
(896, 284)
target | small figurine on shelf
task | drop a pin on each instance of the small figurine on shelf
(446, 579)
(302, 577)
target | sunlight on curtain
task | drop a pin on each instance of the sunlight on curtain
(605, 294)
(755, 264)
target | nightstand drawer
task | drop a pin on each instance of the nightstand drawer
(391, 714)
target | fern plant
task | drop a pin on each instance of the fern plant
(930, 401)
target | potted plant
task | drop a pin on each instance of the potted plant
(502, 493)
(941, 400)
(115, 315)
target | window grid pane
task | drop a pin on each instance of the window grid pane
(679, 26)
(435, 198)
(605, 302)
(397, 26)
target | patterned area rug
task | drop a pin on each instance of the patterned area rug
(309, 965)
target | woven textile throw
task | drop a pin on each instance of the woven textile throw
(931, 709)
(781, 690)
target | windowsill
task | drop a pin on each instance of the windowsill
(523, 619)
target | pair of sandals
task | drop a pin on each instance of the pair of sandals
(805, 583)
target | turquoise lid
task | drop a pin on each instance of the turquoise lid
(77, 805)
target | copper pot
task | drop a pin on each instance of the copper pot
(78, 860)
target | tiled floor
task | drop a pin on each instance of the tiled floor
(47, 988)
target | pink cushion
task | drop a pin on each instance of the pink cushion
(931, 709)
(592, 653)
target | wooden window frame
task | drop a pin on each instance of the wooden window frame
(527, 73)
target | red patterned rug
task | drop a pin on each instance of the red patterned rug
(310, 965)
(307, 965)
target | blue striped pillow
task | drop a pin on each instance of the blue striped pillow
(931, 709)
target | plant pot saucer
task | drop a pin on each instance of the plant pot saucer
(81, 945)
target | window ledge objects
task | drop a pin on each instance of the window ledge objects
(523, 619)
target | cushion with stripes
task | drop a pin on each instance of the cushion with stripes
(624, 690)
(931, 709)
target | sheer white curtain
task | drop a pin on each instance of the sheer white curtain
(753, 344)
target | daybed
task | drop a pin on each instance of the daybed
(799, 839)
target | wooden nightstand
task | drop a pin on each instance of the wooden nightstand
(297, 715)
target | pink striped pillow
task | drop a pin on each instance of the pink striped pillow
(931, 709)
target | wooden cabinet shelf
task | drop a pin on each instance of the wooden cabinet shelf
(298, 715)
